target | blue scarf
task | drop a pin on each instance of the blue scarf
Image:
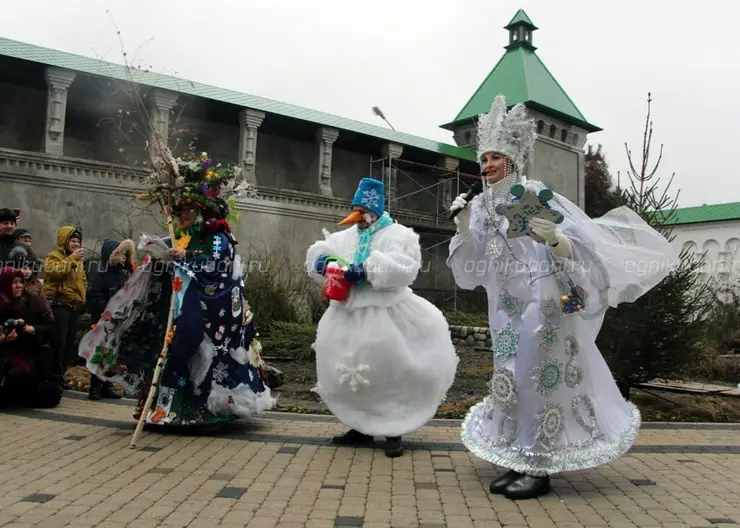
(366, 235)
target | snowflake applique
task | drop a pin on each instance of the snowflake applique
(510, 304)
(221, 312)
(197, 391)
(203, 305)
(370, 199)
(181, 382)
(353, 376)
(216, 247)
(234, 327)
(548, 307)
(220, 372)
(550, 422)
(548, 375)
(251, 376)
(549, 334)
(505, 342)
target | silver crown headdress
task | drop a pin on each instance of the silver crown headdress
(511, 133)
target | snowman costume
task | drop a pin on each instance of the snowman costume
(553, 404)
(384, 356)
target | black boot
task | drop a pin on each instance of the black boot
(95, 392)
(352, 437)
(393, 447)
(109, 391)
(527, 487)
(498, 486)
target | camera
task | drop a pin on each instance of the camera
(13, 324)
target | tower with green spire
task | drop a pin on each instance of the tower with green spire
(522, 77)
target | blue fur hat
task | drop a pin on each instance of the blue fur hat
(370, 195)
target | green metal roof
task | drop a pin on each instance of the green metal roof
(706, 213)
(520, 18)
(522, 77)
(70, 61)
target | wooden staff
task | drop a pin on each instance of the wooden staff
(170, 320)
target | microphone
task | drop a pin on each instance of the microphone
(475, 189)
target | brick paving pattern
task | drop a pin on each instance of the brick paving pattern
(71, 466)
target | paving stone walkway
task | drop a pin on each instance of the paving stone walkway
(71, 466)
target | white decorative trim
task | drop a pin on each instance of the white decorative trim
(391, 150)
(249, 121)
(326, 137)
(45, 170)
(449, 164)
(58, 81)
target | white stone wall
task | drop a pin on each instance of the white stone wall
(720, 244)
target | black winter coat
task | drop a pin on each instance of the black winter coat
(104, 280)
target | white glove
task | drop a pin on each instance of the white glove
(462, 220)
(558, 242)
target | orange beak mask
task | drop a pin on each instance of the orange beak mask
(354, 217)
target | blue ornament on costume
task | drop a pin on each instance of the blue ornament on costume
(370, 195)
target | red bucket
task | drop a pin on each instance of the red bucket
(336, 288)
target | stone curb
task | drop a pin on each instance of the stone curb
(474, 336)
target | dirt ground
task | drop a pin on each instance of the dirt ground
(470, 386)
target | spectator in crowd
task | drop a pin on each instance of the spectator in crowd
(8, 223)
(65, 286)
(114, 267)
(26, 354)
(22, 257)
(23, 235)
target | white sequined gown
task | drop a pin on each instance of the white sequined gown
(554, 405)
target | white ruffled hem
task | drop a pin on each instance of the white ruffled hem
(240, 401)
(595, 452)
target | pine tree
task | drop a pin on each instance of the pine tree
(661, 333)
(600, 194)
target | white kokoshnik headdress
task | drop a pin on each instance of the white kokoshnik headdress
(511, 133)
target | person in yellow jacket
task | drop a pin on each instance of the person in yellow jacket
(65, 286)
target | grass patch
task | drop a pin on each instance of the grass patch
(458, 318)
(289, 340)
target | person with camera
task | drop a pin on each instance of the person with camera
(22, 257)
(65, 286)
(25, 346)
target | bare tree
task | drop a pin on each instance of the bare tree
(644, 184)
(662, 333)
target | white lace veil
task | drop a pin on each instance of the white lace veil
(634, 256)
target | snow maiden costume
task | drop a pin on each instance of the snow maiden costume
(384, 356)
(214, 371)
(553, 404)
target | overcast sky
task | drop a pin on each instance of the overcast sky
(420, 61)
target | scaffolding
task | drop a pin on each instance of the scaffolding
(448, 184)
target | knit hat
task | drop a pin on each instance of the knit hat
(20, 232)
(7, 215)
(370, 195)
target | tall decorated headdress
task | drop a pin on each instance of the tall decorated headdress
(510, 133)
(209, 188)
